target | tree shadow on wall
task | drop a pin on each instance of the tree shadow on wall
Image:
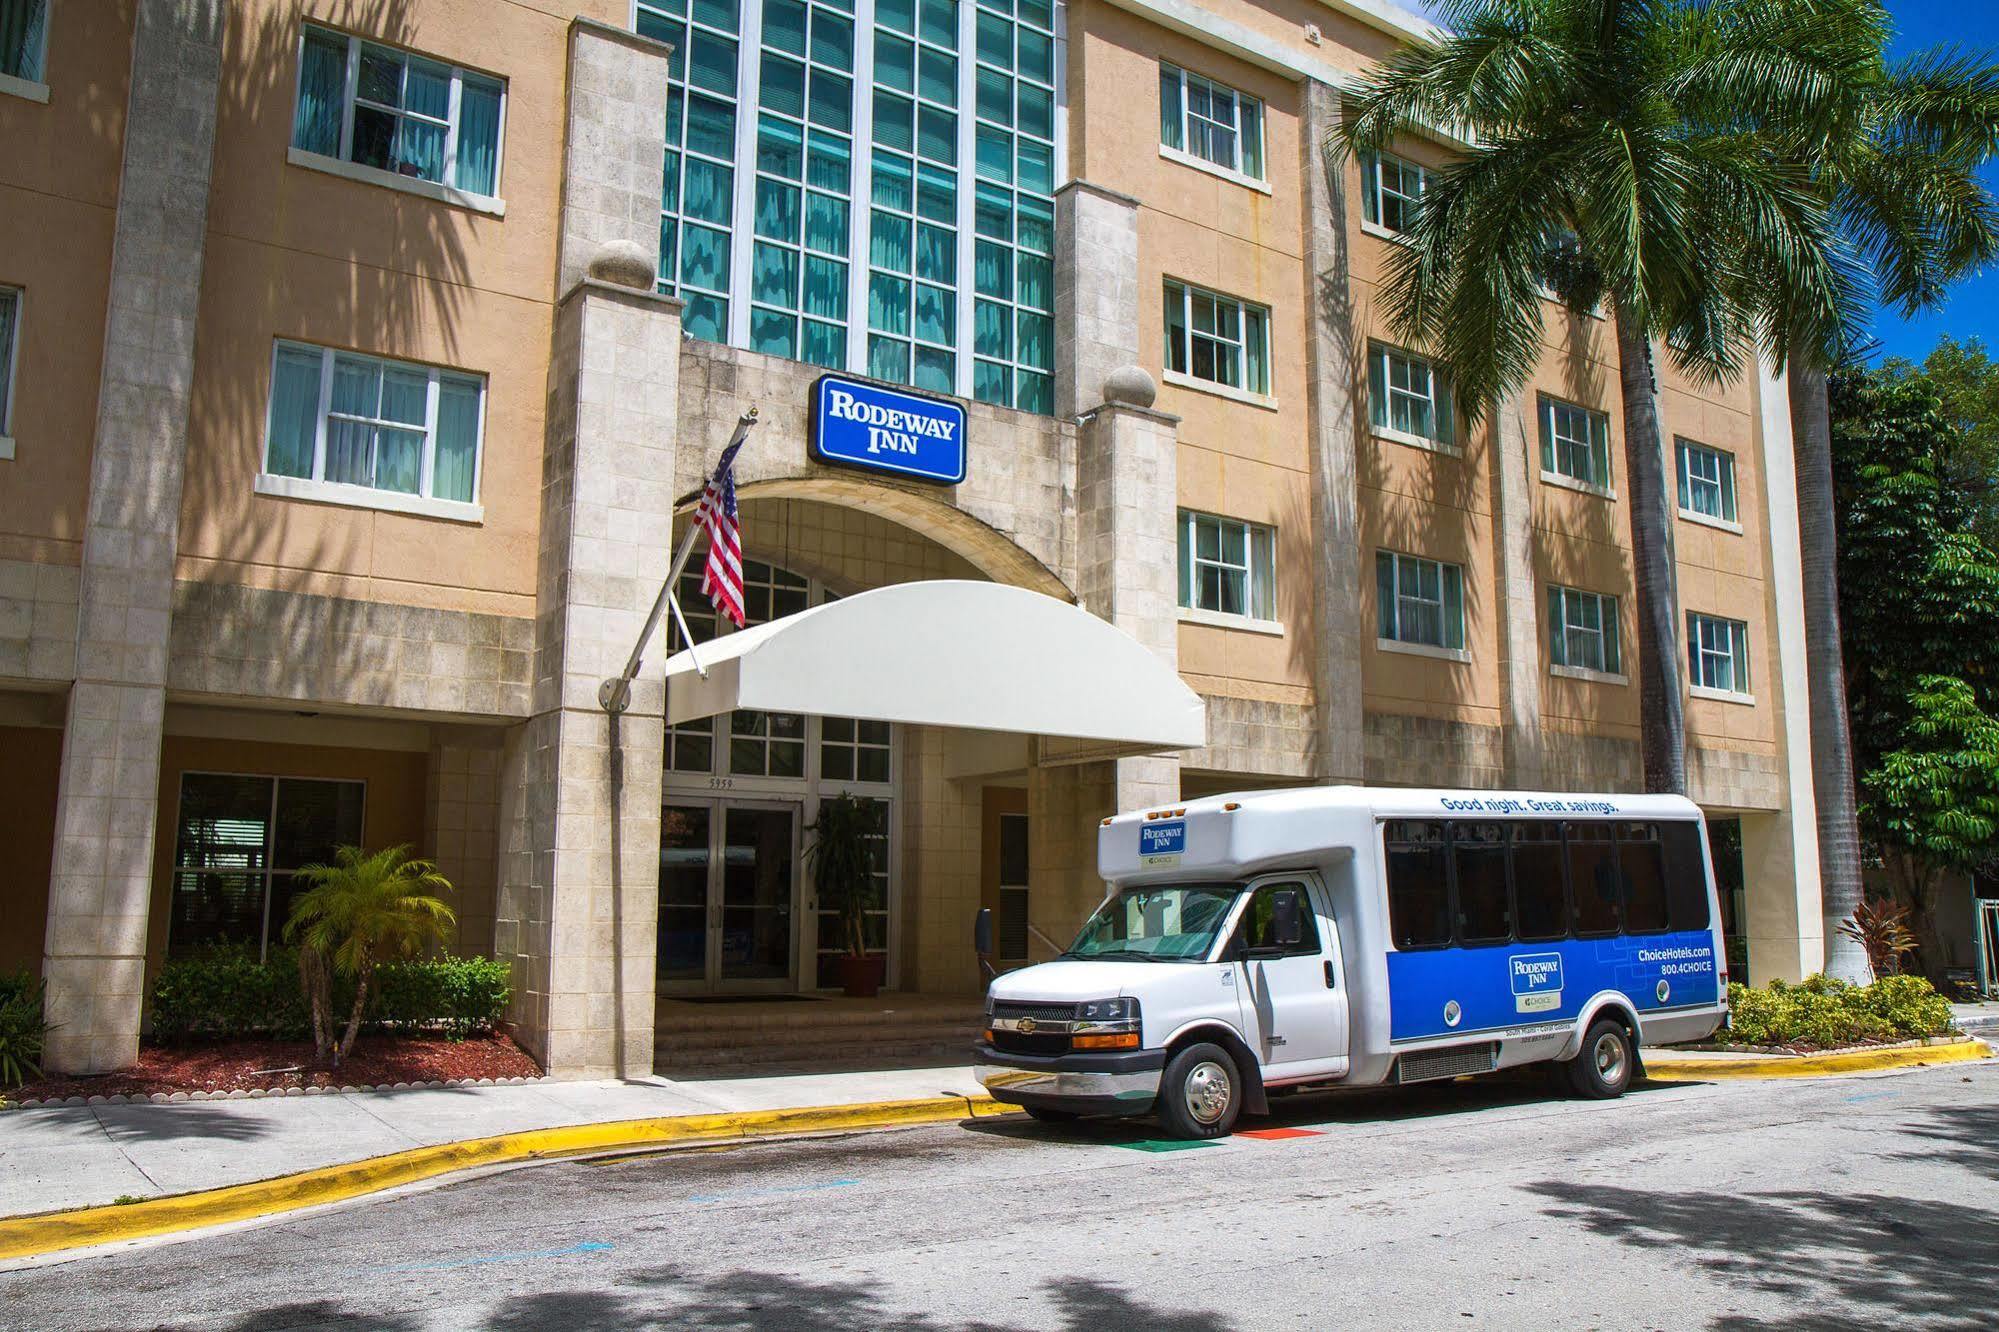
(1857, 1261)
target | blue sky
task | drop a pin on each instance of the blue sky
(1973, 307)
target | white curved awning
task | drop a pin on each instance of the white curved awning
(984, 656)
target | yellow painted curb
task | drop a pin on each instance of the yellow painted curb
(1813, 1066)
(54, 1232)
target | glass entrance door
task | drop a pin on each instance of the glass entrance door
(728, 878)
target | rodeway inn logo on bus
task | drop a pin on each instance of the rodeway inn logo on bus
(856, 424)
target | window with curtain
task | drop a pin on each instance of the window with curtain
(1707, 481)
(1582, 631)
(1227, 566)
(24, 39)
(1575, 443)
(238, 841)
(1419, 601)
(1211, 121)
(380, 107)
(1409, 397)
(1718, 653)
(1217, 338)
(1390, 189)
(10, 323)
(362, 422)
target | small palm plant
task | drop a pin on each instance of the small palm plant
(356, 913)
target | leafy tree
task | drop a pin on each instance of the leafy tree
(1614, 154)
(356, 913)
(1920, 611)
(1967, 380)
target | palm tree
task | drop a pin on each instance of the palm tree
(1894, 151)
(1605, 160)
(357, 912)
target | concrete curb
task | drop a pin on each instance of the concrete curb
(1694, 1069)
(55, 1232)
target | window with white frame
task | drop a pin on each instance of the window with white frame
(1227, 566)
(1217, 338)
(1718, 653)
(380, 107)
(1575, 443)
(1409, 396)
(10, 325)
(1707, 481)
(372, 424)
(1390, 189)
(1582, 631)
(1419, 601)
(1210, 121)
(24, 39)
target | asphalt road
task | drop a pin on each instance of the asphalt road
(1854, 1203)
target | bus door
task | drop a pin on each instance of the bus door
(1286, 952)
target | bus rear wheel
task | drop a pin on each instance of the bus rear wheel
(1200, 1093)
(1602, 1069)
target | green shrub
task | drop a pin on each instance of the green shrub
(1823, 1012)
(24, 1028)
(225, 994)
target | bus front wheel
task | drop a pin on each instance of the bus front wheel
(1200, 1093)
(1602, 1068)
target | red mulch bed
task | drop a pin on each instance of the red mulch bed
(275, 1065)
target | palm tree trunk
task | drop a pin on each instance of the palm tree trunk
(365, 974)
(1840, 884)
(315, 981)
(1662, 719)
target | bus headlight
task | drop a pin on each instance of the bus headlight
(1106, 1024)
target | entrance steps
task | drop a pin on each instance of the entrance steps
(752, 1038)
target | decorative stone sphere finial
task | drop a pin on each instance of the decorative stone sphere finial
(624, 263)
(1130, 386)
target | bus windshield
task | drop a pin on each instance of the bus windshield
(1161, 923)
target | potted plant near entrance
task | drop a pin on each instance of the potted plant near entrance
(842, 856)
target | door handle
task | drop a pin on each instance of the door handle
(1329, 973)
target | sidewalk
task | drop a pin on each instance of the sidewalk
(65, 1157)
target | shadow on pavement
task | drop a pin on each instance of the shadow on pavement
(1842, 1262)
(1968, 1133)
(174, 1123)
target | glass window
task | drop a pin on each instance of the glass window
(1540, 892)
(1210, 121)
(1707, 481)
(10, 333)
(697, 198)
(1419, 601)
(1582, 631)
(1593, 878)
(1686, 876)
(1575, 443)
(380, 107)
(1642, 864)
(1390, 189)
(1227, 566)
(1408, 396)
(1419, 898)
(1257, 928)
(1217, 338)
(238, 841)
(1718, 653)
(854, 751)
(1479, 855)
(24, 38)
(374, 424)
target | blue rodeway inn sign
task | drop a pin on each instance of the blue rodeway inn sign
(857, 424)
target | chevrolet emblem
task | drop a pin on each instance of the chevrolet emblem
(1025, 1027)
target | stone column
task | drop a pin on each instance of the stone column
(1518, 597)
(578, 898)
(1096, 292)
(1339, 620)
(107, 798)
(461, 826)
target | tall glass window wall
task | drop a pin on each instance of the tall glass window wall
(867, 185)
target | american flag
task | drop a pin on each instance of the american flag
(722, 576)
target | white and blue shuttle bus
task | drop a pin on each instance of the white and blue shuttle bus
(1348, 936)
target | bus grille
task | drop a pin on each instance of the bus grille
(1032, 1043)
(1451, 1062)
(1040, 1012)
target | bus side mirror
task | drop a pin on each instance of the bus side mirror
(982, 932)
(1284, 923)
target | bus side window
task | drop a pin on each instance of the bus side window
(1539, 885)
(1686, 876)
(1644, 872)
(1478, 869)
(1593, 878)
(1419, 898)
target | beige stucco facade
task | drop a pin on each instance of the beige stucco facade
(443, 658)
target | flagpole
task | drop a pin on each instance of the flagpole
(615, 694)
